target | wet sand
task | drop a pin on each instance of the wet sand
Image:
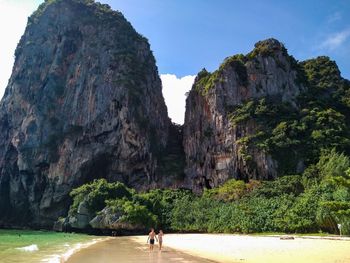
(260, 249)
(126, 250)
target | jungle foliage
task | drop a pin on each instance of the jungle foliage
(315, 201)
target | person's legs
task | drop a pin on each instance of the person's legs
(160, 245)
(151, 244)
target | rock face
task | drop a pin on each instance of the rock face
(108, 219)
(213, 149)
(84, 101)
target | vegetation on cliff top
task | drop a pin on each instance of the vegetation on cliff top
(206, 80)
(102, 8)
(267, 48)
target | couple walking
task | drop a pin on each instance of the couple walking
(153, 236)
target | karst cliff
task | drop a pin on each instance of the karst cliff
(263, 115)
(85, 102)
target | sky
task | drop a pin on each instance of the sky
(188, 35)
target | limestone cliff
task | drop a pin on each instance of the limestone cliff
(84, 101)
(214, 144)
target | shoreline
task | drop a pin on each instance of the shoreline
(33, 246)
(77, 248)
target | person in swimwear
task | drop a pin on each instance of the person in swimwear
(160, 239)
(151, 236)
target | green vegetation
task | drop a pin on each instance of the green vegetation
(266, 48)
(315, 201)
(103, 8)
(312, 202)
(292, 133)
(132, 212)
(41, 9)
(96, 194)
(237, 63)
(206, 80)
(322, 73)
(232, 190)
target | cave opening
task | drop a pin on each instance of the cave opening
(207, 182)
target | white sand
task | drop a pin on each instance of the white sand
(259, 249)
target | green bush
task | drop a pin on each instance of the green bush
(133, 213)
(96, 193)
(335, 200)
(231, 190)
(290, 185)
(301, 217)
(191, 213)
(161, 203)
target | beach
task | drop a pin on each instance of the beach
(43, 246)
(259, 249)
(219, 248)
(131, 250)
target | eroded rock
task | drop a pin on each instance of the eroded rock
(211, 140)
(84, 101)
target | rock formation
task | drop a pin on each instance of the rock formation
(213, 143)
(84, 101)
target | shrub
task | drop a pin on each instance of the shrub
(133, 213)
(231, 190)
(96, 193)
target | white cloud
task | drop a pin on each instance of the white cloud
(335, 40)
(13, 19)
(174, 90)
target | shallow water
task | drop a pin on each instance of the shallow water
(39, 246)
(124, 250)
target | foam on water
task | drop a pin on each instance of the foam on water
(30, 248)
(27, 246)
(66, 255)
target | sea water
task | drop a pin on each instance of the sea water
(41, 246)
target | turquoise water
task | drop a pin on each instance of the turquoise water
(40, 246)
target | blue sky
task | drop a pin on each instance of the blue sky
(186, 36)
(189, 35)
